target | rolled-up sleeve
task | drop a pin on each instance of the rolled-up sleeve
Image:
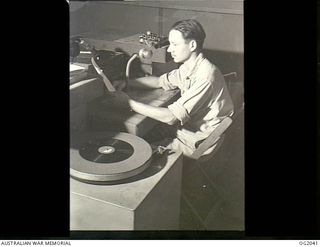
(180, 112)
(192, 101)
(170, 80)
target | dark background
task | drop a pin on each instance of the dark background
(282, 187)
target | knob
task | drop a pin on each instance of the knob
(145, 53)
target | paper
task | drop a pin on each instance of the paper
(74, 67)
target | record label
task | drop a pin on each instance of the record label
(106, 151)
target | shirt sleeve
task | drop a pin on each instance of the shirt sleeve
(170, 80)
(199, 94)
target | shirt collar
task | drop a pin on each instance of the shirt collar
(196, 64)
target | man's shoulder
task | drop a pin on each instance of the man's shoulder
(206, 69)
(206, 64)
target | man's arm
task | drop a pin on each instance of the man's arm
(145, 82)
(162, 114)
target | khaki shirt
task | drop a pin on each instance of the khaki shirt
(204, 100)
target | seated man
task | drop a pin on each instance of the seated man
(204, 100)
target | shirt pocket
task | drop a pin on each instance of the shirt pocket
(187, 82)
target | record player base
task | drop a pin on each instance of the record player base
(149, 202)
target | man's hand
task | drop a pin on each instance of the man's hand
(119, 85)
(119, 99)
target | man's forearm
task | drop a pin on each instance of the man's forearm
(162, 114)
(145, 82)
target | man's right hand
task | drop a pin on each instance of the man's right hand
(118, 99)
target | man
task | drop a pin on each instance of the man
(204, 100)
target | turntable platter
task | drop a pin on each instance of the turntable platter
(107, 156)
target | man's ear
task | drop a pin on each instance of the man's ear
(193, 45)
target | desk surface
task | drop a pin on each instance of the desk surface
(147, 201)
(132, 191)
(105, 117)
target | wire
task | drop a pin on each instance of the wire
(134, 56)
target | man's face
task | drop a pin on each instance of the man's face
(179, 48)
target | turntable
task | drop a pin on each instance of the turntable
(105, 157)
(118, 182)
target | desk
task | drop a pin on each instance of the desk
(83, 89)
(104, 117)
(149, 201)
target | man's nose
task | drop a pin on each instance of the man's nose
(169, 48)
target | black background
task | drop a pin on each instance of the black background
(282, 187)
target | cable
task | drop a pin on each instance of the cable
(134, 56)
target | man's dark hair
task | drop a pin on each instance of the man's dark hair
(191, 29)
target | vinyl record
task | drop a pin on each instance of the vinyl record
(107, 156)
